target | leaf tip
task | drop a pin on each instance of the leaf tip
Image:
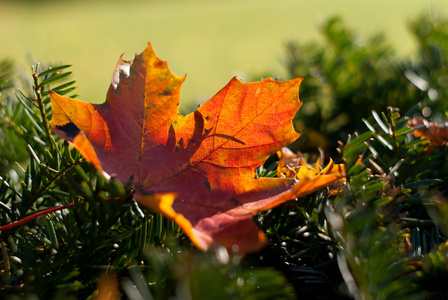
(83, 145)
(162, 204)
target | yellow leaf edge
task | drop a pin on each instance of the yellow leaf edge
(162, 204)
(80, 140)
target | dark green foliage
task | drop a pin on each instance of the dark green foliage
(370, 219)
(372, 241)
(13, 123)
(383, 237)
(431, 34)
(188, 274)
(348, 76)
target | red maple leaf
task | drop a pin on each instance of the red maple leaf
(199, 169)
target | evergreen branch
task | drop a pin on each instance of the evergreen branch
(10, 187)
(56, 178)
(6, 264)
(40, 102)
(10, 124)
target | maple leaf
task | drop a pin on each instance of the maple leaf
(293, 165)
(436, 133)
(199, 169)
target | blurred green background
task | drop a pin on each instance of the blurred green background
(208, 40)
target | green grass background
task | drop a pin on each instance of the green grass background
(208, 40)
